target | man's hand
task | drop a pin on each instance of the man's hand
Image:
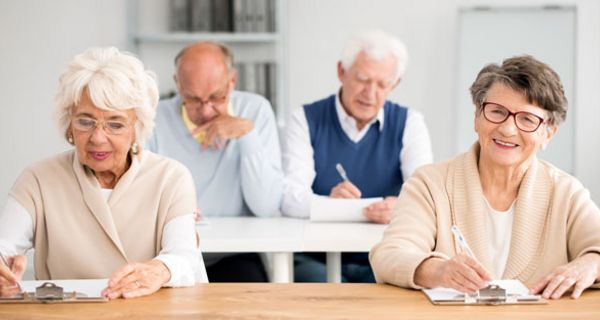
(137, 279)
(222, 128)
(345, 190)
(382, 211)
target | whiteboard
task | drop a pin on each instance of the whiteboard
(492, 34)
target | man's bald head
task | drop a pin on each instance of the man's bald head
(200, 50)
(204, 77)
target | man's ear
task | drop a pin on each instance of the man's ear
(340, 70)
(176, 80)
(234, 76)
(396, 84)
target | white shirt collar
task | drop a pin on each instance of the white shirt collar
(349, 123)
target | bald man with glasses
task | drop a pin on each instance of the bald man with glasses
(228, 140)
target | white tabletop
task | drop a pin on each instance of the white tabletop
(252, 234)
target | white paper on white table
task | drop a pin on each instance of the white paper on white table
(446, 294)
(324, 208)
(92, 288)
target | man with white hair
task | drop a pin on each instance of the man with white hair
(379, 144)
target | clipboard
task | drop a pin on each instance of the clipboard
(499, 292)
(49, 292)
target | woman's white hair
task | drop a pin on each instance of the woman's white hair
(113, 80)
(377, 45)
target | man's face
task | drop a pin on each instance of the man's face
(366, 85)
(205, 89)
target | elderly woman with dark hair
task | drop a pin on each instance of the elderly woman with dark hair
(107, 208)
(522, 217)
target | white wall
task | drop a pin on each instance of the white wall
(38, 39)
(318, 30)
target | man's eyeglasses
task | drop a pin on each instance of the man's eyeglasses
(525, 121)
(216, 99)
(86, 124)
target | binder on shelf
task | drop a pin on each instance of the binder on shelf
(239, 18)
(222, 15)
(200, 15)
(499, 292)
(260, 16)
(179, 17)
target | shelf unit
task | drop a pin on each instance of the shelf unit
(149, 37)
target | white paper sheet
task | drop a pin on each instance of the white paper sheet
(332, 209)
(446, 294)
(92, 288)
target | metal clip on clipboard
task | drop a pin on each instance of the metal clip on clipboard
(49, 292)
(496, 295)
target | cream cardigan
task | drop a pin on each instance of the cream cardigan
(555, 221)
(79, 235)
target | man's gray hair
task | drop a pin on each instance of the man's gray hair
(377, 45)
(114, 80)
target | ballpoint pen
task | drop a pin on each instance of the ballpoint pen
(461, 241)
(341, 171)
(6, 264)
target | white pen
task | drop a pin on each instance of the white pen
(342, 172)
(461, 241)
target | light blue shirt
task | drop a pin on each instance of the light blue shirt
(243, 178)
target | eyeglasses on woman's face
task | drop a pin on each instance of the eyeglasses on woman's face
(111, 126)
(525, 121)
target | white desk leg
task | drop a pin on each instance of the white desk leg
(334, 267)
(282, 268)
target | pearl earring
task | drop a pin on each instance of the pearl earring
(134, 148)
(70, 139)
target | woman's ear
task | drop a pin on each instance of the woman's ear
(548, 134)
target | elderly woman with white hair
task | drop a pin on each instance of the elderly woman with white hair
(107, 208)
(379, 143)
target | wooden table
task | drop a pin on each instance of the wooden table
(300, 301)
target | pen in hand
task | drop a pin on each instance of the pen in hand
(462, 242)
(342, 172)
(8, 266)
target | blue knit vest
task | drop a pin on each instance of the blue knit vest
(372, 164)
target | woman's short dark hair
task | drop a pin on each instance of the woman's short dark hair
(535, 79)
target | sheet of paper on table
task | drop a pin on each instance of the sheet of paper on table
(324, 208)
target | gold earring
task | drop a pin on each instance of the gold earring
(134, 148)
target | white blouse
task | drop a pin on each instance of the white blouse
(499, 230)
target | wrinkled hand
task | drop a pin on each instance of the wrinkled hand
(578, 275)
(222, 128)
(137, 279)
(464, 274)
(345, 190)
(381, 212)
(11, 275)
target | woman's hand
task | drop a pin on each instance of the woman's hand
(137, 279)
(462, 273)
(11, 274)
(578, 274)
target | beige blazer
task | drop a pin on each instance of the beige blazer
(555, 221)
(79, 235)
